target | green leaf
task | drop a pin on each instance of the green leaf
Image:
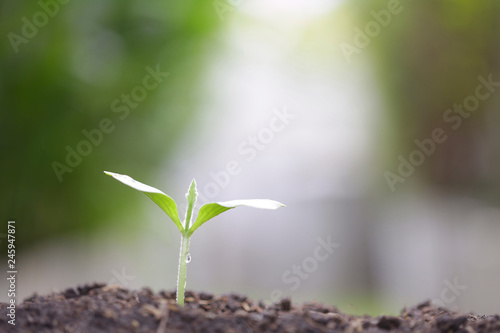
(211, 210)
(191, 196)
(161, 199)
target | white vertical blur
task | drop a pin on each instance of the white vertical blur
(281, 57)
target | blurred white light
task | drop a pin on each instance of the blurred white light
(299, 11)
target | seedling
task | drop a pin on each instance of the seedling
(187, 228)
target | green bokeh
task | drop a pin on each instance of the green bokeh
(427, 58)
(63, 78)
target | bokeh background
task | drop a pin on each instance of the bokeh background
(319, 102)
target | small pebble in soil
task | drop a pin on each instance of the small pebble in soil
(286, 304)
(388, 323)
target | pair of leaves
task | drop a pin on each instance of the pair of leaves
(207, 212)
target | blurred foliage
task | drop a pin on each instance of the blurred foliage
(64, 79)
(427, 59)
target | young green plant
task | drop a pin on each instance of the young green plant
(206, 212)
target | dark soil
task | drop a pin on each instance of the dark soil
(100, 308)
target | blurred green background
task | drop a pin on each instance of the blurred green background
(64, 80)
(67, 67)
(426, 62)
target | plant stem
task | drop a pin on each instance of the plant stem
(184, 256)
(181, 277)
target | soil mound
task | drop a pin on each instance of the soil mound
(103, 308)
